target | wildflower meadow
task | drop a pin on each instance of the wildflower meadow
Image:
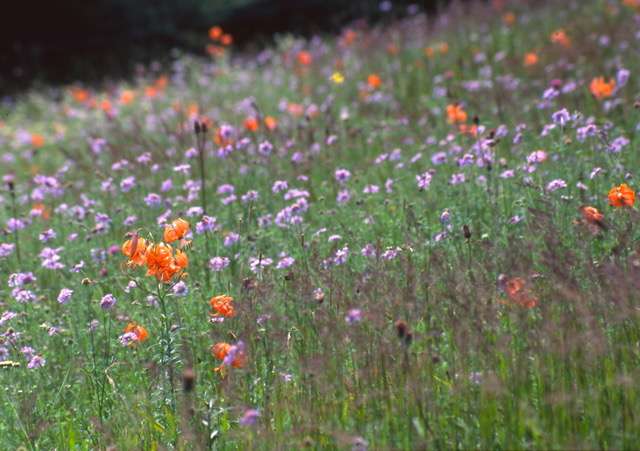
(420, 233)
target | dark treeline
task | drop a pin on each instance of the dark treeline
(67, 40)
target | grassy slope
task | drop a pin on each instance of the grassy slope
(480, 372)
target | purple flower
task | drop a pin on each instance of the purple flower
(127, 184)
(36, 362)
(561, 117)
(47, 235)
(555, 185)
(353, 316)
(65, 295)
(423, 180)
(218, 263)
(279, 185)
(342, 175)
(265, 148)
(180, 289)
(341, 256)
(285, 262)
(250, 417)
(107, 301)
(343, 196)
(6, 249)
(230, 239)
(152, 200)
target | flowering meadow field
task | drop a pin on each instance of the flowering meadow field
(416, 235)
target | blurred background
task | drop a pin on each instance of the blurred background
(90, 40)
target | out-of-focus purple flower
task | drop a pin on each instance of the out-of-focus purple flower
(353, 316)
(180, 289)
(230, 239)
(36, 362)
(342, 175)
(249, 418)
(218, 263)
(65, 295)
(285, 262)
(107, 301)
(555, 185)
(127, 184)
(423, 180)
(561, 117)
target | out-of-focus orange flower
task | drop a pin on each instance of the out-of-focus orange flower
(37, 140)
(162, 82)
(139, 331)
(392, 49)
(223, 306)
(42, 210)
(374, 81)
(135, 249)
(602, 89)
(226, 39)
(517, 292)
(466, 129)
(251, 124)
(215, 50)
(270, 122)
(127, 96)
(215, 33)
(304, 58)
(530, 59)
(560, 37)
(509, 18)
(150, 91)
(428, 52)
(295, 109)
(622, 196)
(221, 350)
(193, 110)
(456, 114)
(593, 218)
(176, 230)
(635, 4)
(106, 106)
(591, 214)
(348, 37)
(443, 48)
(80, 95)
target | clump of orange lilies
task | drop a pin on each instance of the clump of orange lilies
(160, 259)
(622, 196)
(456, 115)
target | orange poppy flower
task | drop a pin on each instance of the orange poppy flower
(80, 95)
(456, 114)
(127, 96)
(176, 230)
(251, 124)
(106, 106)
(443, 48)
(135, 249)
(509, 18)
(622, 196)
(516, 290)
(37, 140)
(304, 58)
(602, 89)
(226, 39)
(150, 91)
(560, 37)
(215, 32)
(530, 59)
(139, 331)
(221, 350)
(591, 214)
(348, 37)
(374, 81)
(161, 82)
(215, 50)
(466, 129)
(223, 306)
(270, 122)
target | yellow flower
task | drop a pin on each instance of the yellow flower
(337, 78)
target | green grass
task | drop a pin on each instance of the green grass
(480, 371)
